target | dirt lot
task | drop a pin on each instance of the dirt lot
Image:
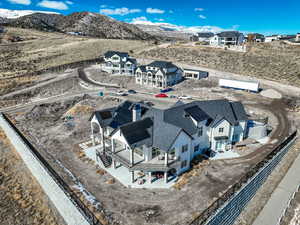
(22, 200)
(58, 141)
(41, 50)
(274, 61)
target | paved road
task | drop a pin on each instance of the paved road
(279, 200)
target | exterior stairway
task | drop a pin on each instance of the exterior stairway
(105, 159)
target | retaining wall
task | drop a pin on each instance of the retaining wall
(67, 204)
(225, 212)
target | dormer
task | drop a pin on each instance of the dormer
(197, 115)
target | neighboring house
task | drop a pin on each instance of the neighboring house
(194, 38)
(160, 74)
(287, 38)
(194, 74)
(297, 39)
(205, 36)
(119, 63)
(255, 37)
(272, 38)
(141, 138)
(227, 38)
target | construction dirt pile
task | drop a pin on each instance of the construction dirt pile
(22, 200)
(274, 61)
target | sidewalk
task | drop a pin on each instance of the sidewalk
(279, 200)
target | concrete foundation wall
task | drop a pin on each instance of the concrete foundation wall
(61, 201)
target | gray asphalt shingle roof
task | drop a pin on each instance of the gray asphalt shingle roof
(229, 34)
(109, 54)
(161, 64)
(160, 128)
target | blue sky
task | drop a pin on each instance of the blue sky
(264, 16)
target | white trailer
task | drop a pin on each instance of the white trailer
(239, 84)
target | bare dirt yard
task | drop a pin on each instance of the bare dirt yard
(58, 142)
(276, 61)
(22, 200)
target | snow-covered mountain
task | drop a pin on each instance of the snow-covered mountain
(12, 14)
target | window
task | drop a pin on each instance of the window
(115, 58)
(200, 131)
(196, 148)
(183, 164)
(184, 148)
(221, 129)
(236, 137)
(155, 152)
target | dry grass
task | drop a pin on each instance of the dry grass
(196, 169)
(79, 109)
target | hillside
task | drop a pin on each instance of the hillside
(276, 61)
(84, 23)
(43, 50)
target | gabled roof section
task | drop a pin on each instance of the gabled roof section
(137, 132)
(239, 111)
(206, 34)
(229, 34)
(162, 64)
(109, 54)
(197, 113)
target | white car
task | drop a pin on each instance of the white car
(121, 93)
(184, 97)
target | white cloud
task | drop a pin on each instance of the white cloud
(21, 2)
(202, 17)
(185, 29)
(159, 19)
(53, 5)
(103, 6)
(155, 11)
(199, 9)
(12, 14)
(119, 11)
(69, 2)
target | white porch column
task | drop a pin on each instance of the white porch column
(150, 177)
(166, 158)
(93, 137)
(112, 145)
(131, 156)
(114, 164)
(132, 176)
(166, 177)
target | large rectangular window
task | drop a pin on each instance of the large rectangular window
(200, 131)
(183, 164)
(221, 129)
(184, 148)
(196, 148)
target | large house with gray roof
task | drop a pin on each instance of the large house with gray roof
(150, 140)
(226, 38)
(158, 74)
(118, 63)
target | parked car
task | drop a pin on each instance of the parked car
(121, 93)
(161, 95)
(148, 103)
(131, 91)
(184, 97)
(166, 90)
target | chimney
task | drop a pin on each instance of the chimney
(136, 112)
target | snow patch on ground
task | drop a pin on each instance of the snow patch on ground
(79, 186)
(225, 155)
(271, 93)
(264, 140)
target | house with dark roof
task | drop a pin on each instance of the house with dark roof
(205, 36)
(226, 38)
(118, 63)
(160, 74)
(148, 140)
(255, 37)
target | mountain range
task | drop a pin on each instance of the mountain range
(82, 23)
